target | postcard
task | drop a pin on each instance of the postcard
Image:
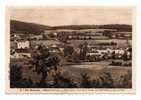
(70, 49)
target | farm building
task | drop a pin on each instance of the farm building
(21, 53)
(23, 44)
(37, 37)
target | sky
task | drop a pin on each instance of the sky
(77, 15)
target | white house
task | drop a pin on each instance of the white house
(119, 51)
(23, 44)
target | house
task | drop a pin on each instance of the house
(122, 35)
(23, 44)
(37, 37)
(54, 48)
(21, 53)
(119, 51)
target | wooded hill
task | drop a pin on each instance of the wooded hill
(25, 27)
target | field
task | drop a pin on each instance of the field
(74, 71)
(95, 70)
(120, 43)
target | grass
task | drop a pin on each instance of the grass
(95, 72)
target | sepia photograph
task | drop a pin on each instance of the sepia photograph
(70, 49)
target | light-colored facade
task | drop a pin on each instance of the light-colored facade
(23, 44)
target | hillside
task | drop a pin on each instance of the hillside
(25, 27)
(18, 26)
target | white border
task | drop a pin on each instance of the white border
(74, 90)
(3, 3)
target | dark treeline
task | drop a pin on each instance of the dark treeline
(118, 27)
(18, 26)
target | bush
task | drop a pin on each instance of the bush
(15, 75)
(85, 82)
(63, 82)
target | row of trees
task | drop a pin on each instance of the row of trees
(74, 55)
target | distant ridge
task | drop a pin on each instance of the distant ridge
(25, 27)
(119, 27)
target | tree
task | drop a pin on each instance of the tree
(83, 50)
(61, 81)
(62, 37)
(86, 82)
(106, 80)
(15, 75)
(68, 51)
(45, 61)
(75, 57)
(107, 33)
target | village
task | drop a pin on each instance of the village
(71, 58)
(94, 45)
